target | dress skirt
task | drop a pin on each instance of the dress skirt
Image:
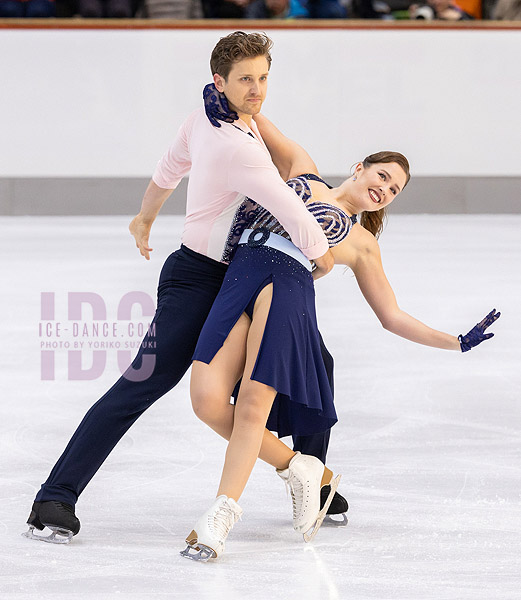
(290, 358)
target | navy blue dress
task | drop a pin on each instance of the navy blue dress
(289, 358)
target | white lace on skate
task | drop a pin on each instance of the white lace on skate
(223, 520)
(295, 489)
(304, 478)
(210, 543)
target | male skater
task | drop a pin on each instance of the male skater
(227, 165)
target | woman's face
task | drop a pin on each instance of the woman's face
(378, 185)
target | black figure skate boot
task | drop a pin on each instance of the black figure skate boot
(338, 506)
(59, 517)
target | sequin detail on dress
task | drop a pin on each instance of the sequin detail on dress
(334, 221)
(244, 215)
(250, 215)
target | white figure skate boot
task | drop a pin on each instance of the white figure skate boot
(305, 477)
(208, 536)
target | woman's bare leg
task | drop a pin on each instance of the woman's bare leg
(212, 385)
(248, 433)
(252, 410)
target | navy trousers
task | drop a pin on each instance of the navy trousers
(188, 285)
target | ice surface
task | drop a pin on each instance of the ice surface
(428, 442)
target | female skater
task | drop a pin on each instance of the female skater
(262, 328)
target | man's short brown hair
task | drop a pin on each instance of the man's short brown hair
(235, 47)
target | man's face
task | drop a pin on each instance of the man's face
(246, 85)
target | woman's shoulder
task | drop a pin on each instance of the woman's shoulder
(364, 242)
(360, 242)
(364, 236)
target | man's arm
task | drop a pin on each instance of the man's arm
(141, 224)
(290, 159)
(252, 173)
(172, 167)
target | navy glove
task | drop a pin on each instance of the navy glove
(216, 106)
(477, 334)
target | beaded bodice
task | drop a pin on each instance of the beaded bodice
(334, 221)
(250, 215)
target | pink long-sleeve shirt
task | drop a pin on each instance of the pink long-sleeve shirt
(227, 165)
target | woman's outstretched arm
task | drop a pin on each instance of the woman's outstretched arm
(289, 158)
(362, 254)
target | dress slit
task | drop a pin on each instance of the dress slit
(289, 358)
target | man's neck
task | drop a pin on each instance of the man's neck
(251, 125)
(245, 119)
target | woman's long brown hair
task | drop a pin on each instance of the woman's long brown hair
(374, 221)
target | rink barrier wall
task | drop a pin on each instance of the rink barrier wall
(87, 108)
(113, 196)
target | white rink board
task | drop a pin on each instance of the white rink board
(107, 103)
(428, 441)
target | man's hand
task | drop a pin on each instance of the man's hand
(140, 229)
(324, 264)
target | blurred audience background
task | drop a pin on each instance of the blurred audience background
(443, 10)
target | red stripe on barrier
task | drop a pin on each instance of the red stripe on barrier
(253, 25)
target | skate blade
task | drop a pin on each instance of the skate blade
(329, 521)
(322, 514)
(201, 553)
(58, 536)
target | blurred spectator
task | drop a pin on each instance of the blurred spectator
(32, 9)
(110, 9)
(174, 9)
(295, 9)
(276, 9)
(65, 8)
(474, 8)
(326, 9)
(364, 9)
(224, 9)
(507, 10)
(445, 10)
